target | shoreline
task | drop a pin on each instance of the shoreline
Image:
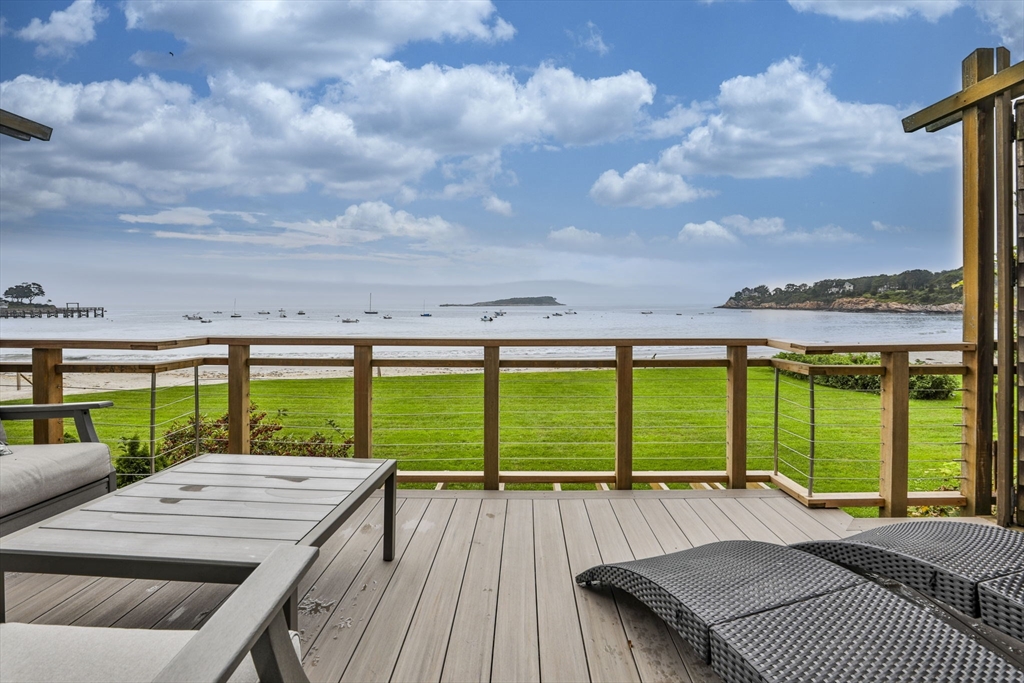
(89, 383)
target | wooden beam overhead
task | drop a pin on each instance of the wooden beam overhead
(1008, 79)
(22, 128)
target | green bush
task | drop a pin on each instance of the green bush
(922, 387)
(132, 461)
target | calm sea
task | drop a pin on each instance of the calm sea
(518, 322)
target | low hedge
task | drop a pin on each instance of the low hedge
(922, 387)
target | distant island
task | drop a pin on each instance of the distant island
(515, 301)
(912, 291)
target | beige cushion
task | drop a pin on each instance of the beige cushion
(38, 653)
(33, 474)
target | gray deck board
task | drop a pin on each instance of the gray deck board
(471, 643)
(516, 656)
(481, 587)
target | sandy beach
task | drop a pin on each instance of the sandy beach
(13, 387)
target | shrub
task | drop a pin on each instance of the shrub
(132, 461)
(178, 441)
(922, 387)
(178, 444)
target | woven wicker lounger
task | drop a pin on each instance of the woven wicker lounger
(762, 612)
(1002, 604)
(863, 633)
(695, 589)
(946, 560)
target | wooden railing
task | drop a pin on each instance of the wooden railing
(892, 496)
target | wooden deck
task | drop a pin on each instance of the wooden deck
(481, 587)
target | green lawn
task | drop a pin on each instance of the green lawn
(566, 421)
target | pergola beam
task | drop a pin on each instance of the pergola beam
(22, 128)
(946, 110)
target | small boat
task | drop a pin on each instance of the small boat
(280, 313)
(218, 312)
(646, 312)
(387, 317)
(547, 317)
(263, 312)
(678, 313)
(193, 317)
(370, 311)
(424, 314)
(236, 315)
(350, 320)
(557, 315)
(204, 320)
(487, 319)
(301, 313)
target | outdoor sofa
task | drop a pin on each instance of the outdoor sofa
(246, 639)
(39, 481)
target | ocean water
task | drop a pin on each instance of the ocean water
(466, 323)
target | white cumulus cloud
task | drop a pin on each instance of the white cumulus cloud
(708, 232)
(877, 10)
(1004, 17)
(360, 224)
(301, 42)
(65, 29)
(644, 186)
(185, 215)
(808, 128)
(589, 37)
(574, 236)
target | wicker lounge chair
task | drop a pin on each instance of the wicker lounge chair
(1002, 604)
(943, 559)
(863, 633)
(762, 612)
(246, 639)
(692, 590)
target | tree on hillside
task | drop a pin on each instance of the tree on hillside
(26, 290)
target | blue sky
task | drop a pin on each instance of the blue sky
(630, 153)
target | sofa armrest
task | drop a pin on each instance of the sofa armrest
(252, 619)
(49, 411)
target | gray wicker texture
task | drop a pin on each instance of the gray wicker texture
(696, 588)
(945, 560)
(1002, 604)
(860, 634)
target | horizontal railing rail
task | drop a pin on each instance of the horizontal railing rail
(892, 496)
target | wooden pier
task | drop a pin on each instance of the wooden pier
(71, 310)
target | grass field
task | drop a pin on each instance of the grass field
(565, 420)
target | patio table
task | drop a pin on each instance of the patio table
(212, 519)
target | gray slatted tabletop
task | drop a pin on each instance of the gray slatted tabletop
(212, 519)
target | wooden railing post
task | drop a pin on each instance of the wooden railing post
(893, 473)
(47, 387)
(238, 399)
(736, 418)
(362, 412)
(624, 417)
(1004, 323)
(978, 246)
(492, 408)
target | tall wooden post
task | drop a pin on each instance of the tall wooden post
(1019, 135)
(238, 399)
(736, 418)
(979, 303)
(492, 409)
(1004, 259)
(893, 471)
(362, 409)
(624, 417)
(47, 387)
